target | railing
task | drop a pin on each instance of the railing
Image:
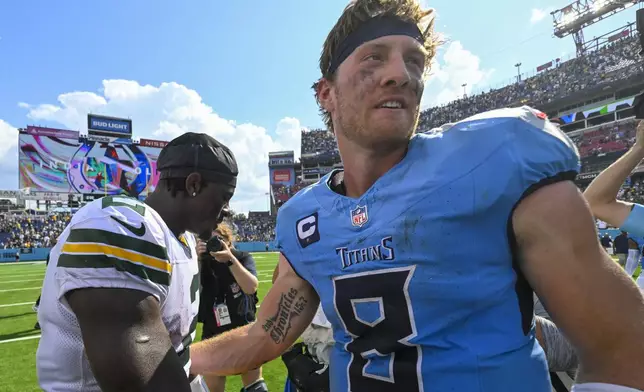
(40, 254)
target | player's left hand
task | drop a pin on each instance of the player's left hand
(224, 255)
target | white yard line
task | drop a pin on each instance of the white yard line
(23, 289)
(17, 304)
(14, 264)
(20, 281)
(19, 339)
(16, 276)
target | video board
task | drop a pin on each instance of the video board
(56, 161)
(281, 168)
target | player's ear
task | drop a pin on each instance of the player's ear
(324, 94)
(193, 184)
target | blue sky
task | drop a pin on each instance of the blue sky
(240, 70)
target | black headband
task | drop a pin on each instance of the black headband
(371, 29)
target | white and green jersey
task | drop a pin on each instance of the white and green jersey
(114, 242)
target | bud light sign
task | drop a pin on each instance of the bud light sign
(111, 125)
(109, 129)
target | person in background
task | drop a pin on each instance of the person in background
(602, 192)
(607, 243)
(228, 299)
(633, 256)
(560, 354)
(620, 248)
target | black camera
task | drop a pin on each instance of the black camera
(214, 244)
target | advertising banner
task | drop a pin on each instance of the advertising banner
(53, 132)
(56, 165)
(109, 129)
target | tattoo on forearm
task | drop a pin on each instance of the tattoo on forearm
(290, 306)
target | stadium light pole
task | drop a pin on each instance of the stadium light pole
(518, 65)
(268, 202)
(464, 91)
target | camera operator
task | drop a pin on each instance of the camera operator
(228, 297)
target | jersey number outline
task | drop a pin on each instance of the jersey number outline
(120, 201)
(386, 336)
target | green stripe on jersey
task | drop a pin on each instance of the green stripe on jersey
(119, 240)
(123, 201)
(195, 285)
(104, 261)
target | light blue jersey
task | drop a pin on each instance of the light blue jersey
(419, 276)
(634, 223)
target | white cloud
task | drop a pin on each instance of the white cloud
(537, 15)
(452, 67)
(166, 111)
(9, 137)
(8, 156)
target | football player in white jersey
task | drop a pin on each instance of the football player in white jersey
(120, 295)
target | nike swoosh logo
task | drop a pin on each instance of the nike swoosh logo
(137, 231)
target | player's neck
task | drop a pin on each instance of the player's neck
(163, 205)
(362, 168)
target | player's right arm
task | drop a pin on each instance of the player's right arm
(601, 194)
(286, 311)
(125, 340)
(114, 280)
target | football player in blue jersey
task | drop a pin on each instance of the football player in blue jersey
(602, 193)
(425, 249)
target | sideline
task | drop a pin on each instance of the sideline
(14, 264)
(21, 281)
(18, 304)
(23, 289)
(19, 339)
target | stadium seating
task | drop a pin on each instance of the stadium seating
(615, 61)
(31, 231)
(608, 138)
(257, 226)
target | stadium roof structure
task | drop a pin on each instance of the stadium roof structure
(572, 18)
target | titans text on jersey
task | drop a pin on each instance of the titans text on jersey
(382, 251)
(425, 293)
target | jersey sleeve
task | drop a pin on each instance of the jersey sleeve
(285, 236)
(634, 223)
(103, 252)
(543, 154)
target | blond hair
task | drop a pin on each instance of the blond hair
(359, 11)
(226, 233)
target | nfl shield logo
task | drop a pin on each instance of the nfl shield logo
(359, 216)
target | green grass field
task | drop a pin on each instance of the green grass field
(20, 286)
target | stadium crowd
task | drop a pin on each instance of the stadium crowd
(318, 141)
(254, 227)
(282, 193)
(31, 231)
(607, 138)
(614, 61)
